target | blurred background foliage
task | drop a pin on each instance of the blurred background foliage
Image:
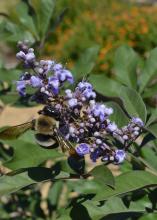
(108, 23)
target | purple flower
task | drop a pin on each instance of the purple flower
(85, 85)
(36, 81)
(21, 55)
(30, 57)
(63, 74)
(72, 102)
(119, 156)
(108, 111)
(95, 154)
(57, 67)
(68, 75)
(21, 87)
(45, 66)
(82, 149)
(53, 81)
(68, 93)
(112, 127)
(137, 121)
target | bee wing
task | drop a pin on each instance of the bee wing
(15, 131)
(66, 145)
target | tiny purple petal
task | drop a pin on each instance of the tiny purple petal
(138, 121)
(21, 87)
(30, 57)
(112, 127)
(21, 55)
(53, 81)
(72, 102)
(83, 149)
(57, 67)
(35, 81)
(120, 156)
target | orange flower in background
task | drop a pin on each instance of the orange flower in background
(107, 23)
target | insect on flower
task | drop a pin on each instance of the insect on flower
(45, 129)
(71, 119)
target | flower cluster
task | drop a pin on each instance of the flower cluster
(82, 121)
(47, 76)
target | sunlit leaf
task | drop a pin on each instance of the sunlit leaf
(133, 103)
(11, 183)
(103, 175)
(112, 206)
(105, 85)
(149, 70)
(27, 154)
(118, 115)
(43, 10)
(125, 66)
(86, 62)
(127, 182)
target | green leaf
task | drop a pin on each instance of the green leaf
(112, 206)
(10, 184)
(133, 103)
(152, 118)
(27, 154)
(104, 85)
(103, 175)
(126, 183)
(13, 182)
(44, 10)
(150, 216)
(149, 92)
(20, 16)
(55, 192)
(86, 62)
(150, 156)
(125, 66)
(9, 75)
(153, 129)
(150, 69)
(118, 115)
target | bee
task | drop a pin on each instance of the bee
(46, 131)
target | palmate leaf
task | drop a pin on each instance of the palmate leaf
(126, 183)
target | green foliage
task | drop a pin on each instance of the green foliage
(28, 154)
(125, 66)
(86, 62)
(149, 70)
(43, 13)
(96, 194)
(133, 103)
